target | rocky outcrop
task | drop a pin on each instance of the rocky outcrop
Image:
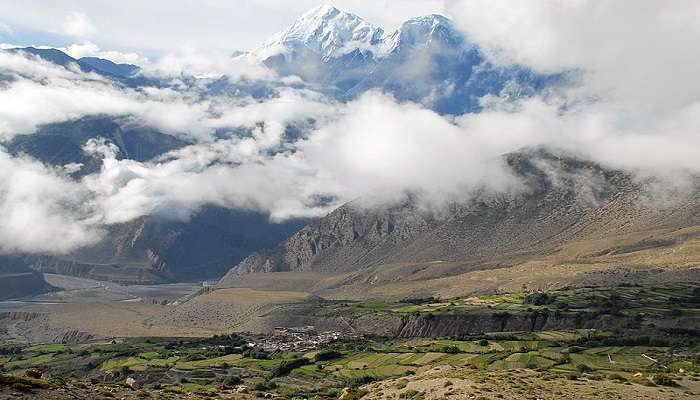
(349, 236)
(393, 325)
(74, 336)
(474, 324)
(119, 273)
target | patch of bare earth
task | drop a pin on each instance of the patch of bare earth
(447, 382)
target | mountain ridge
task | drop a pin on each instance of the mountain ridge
(98, 65)
(568, 201)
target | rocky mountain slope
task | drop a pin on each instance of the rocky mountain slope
(153, 250)
(564, 201)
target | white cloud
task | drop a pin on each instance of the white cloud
(373, 146)
(206, 64)
(176, 189)
(41, 210)
(48, 93)
(640, 53)
(89, 49)
(380, 147)
(78, 24)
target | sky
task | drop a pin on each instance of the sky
(633, 104)
(153, 28)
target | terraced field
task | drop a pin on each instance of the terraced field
(197, 367)
(653, 301)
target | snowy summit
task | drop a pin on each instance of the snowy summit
(324, 30)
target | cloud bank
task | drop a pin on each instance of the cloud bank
(637, 55)
(42, 210)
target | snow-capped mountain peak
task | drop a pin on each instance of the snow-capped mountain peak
(424, 30)
(328, 33)
(324, 30)
(425, 60)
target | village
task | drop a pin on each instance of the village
(302, 338)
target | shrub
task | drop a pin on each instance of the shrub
(451, 349)
(258, 353)
(360, 380)
(483, 342)
(539, 299)
(565, 359)
(22, 387)
(659, 342)
(10, 380)
(325, 355)
(232, 380)
(287, 366)
(663, 380)
(194, 357)
(583, 368)
(354, 394)
(421, 300)
(264, 386)
(617, 377)
(501, 315)
(409, 394)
